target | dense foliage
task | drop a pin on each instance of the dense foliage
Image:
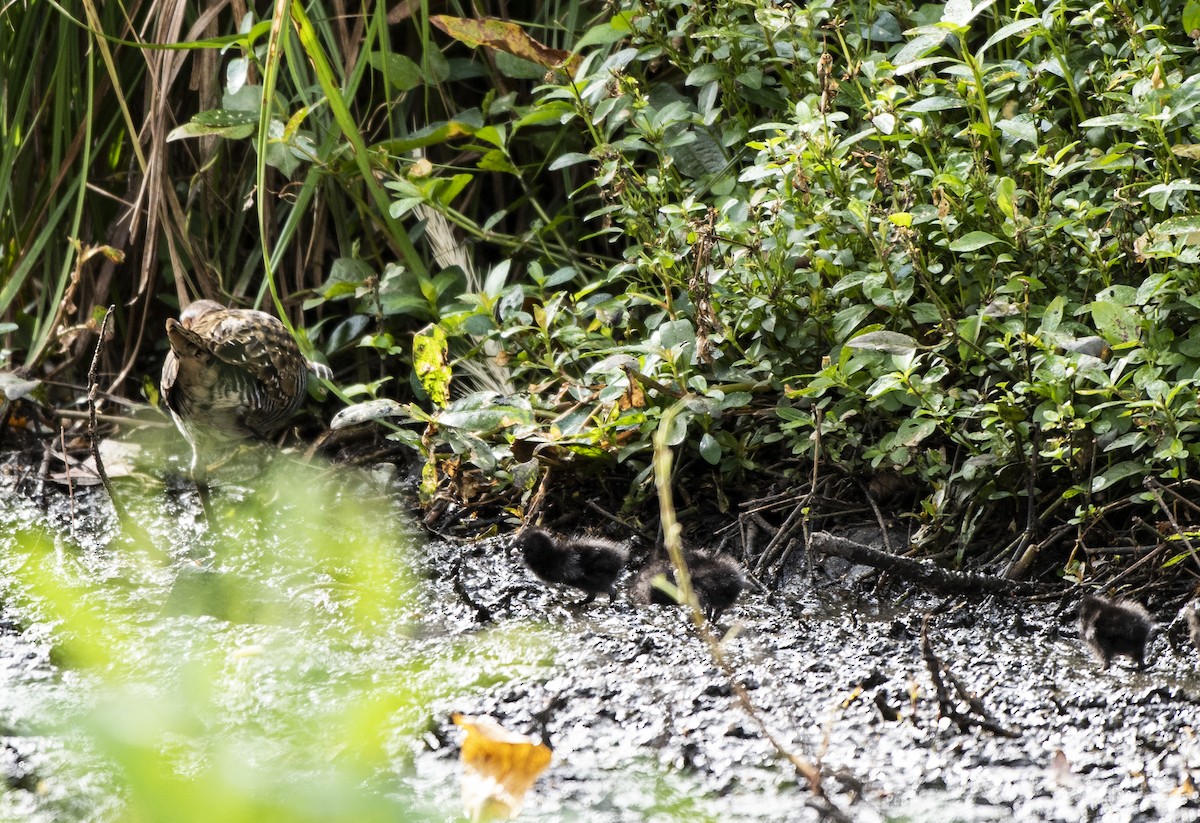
(946, 243)
(949, 242)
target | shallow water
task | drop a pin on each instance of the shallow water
(336, 645)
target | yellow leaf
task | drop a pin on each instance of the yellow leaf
(505, 36)
(431, 363)
(499, 767)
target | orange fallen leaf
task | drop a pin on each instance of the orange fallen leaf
(1185, 789)
(499, 767)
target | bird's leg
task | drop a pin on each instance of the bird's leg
(199, 467)
(200, 478)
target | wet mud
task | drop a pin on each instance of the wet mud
(642, 720)
(644, 724)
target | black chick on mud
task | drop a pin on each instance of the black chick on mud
(716, 579)
(1115, 628)
(590, 564)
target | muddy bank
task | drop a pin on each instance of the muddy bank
(644, 724)
(642, 720)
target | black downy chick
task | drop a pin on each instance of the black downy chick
(1114, 628)
(1191, 613)
(716, 579)
(591, 564)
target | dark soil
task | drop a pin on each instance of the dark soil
(645, 725)
(642, 719)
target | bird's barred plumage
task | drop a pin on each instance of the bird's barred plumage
(236, 372)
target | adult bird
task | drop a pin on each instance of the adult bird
(231, 374)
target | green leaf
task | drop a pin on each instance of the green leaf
(401, 72)
(935, 104)
(1160, 195)
(613, 31)
(230, 124)
(429, 136)
(1006, 190)
(912, 57)
(13, 387)
(674, 333)
(450, 189)
(1191, 17)
(960, 13)
(1019, 128)
(1115, 322)
(518, 68)
(496, 160)
(912, 432)
(485, 421)
(1117, 473)
(846, 321)
(366, 412)
(710, 449)
(346, 275)
(569, 159)
(679, 426)
(1184, 224)
(1004, 32)
(1179, 558)
(887, 341)
(975, 240)
(1128, 122)
(702, 155)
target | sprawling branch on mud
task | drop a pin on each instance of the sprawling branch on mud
(919, 571)
(939, 673)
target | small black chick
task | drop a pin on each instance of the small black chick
(1191, 613)
(716, 579)
(1114, 628)
(591, 564)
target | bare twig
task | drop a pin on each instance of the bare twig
(112, 419)
(947, 706)
(1120, 550)
(482, 613)
(651, 383)
(1145, 560)
(1155, 488)
(918, 571)
(883, 529)
(93, 439)
(663, 458)
(539, 498)
(128, 525)
(620, 521)
(789, 527)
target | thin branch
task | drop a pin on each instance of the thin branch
(663, 458)
(919, 571)
(1155, 488)
(112, 419)
(93, 439)
(947, 706)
